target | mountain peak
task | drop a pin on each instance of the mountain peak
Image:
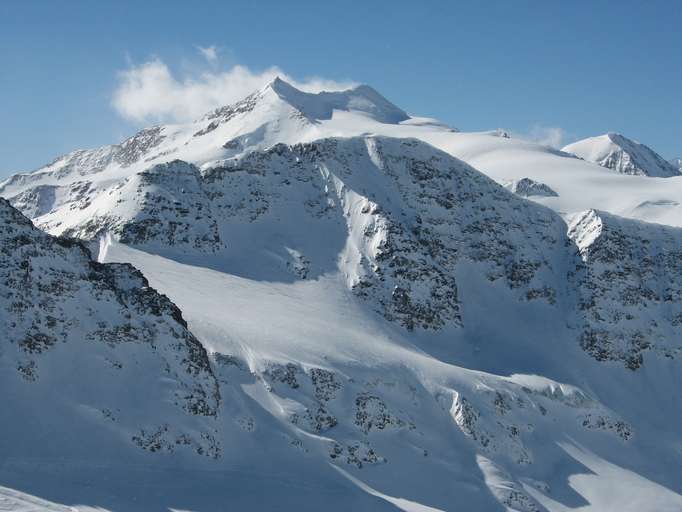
(278, 85)
(620, 139)
(621, 154)
(321, 105)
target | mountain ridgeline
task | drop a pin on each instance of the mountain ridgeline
(341, 297)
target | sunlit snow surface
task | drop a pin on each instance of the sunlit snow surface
(506, 412)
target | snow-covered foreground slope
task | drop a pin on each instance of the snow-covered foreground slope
(622, 155)
(381, 326)
(536, 442)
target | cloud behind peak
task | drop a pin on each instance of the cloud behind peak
(151, 92)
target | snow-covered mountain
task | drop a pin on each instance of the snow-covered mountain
(525, 187)
(93, 360)
(677, 163)
(280, 114)
(371, 322)
(622, 155)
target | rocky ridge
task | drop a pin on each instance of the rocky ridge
(57, 305)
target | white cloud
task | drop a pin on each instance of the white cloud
(210, 53)
(552, 136)
(150, 92)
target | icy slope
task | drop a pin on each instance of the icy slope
(623, 155)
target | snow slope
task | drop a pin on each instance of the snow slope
(622, 155)
(580, 185)
(387, 327)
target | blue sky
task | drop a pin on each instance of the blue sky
(546, 69)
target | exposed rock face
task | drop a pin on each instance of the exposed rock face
(164, 204)
(630, 287)
(407, 213)
(228, 112)
(86, 162)
(525, 187)
(408, 216)
(59, 309)
(404, 216)
(499, 420)
(456, 215)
